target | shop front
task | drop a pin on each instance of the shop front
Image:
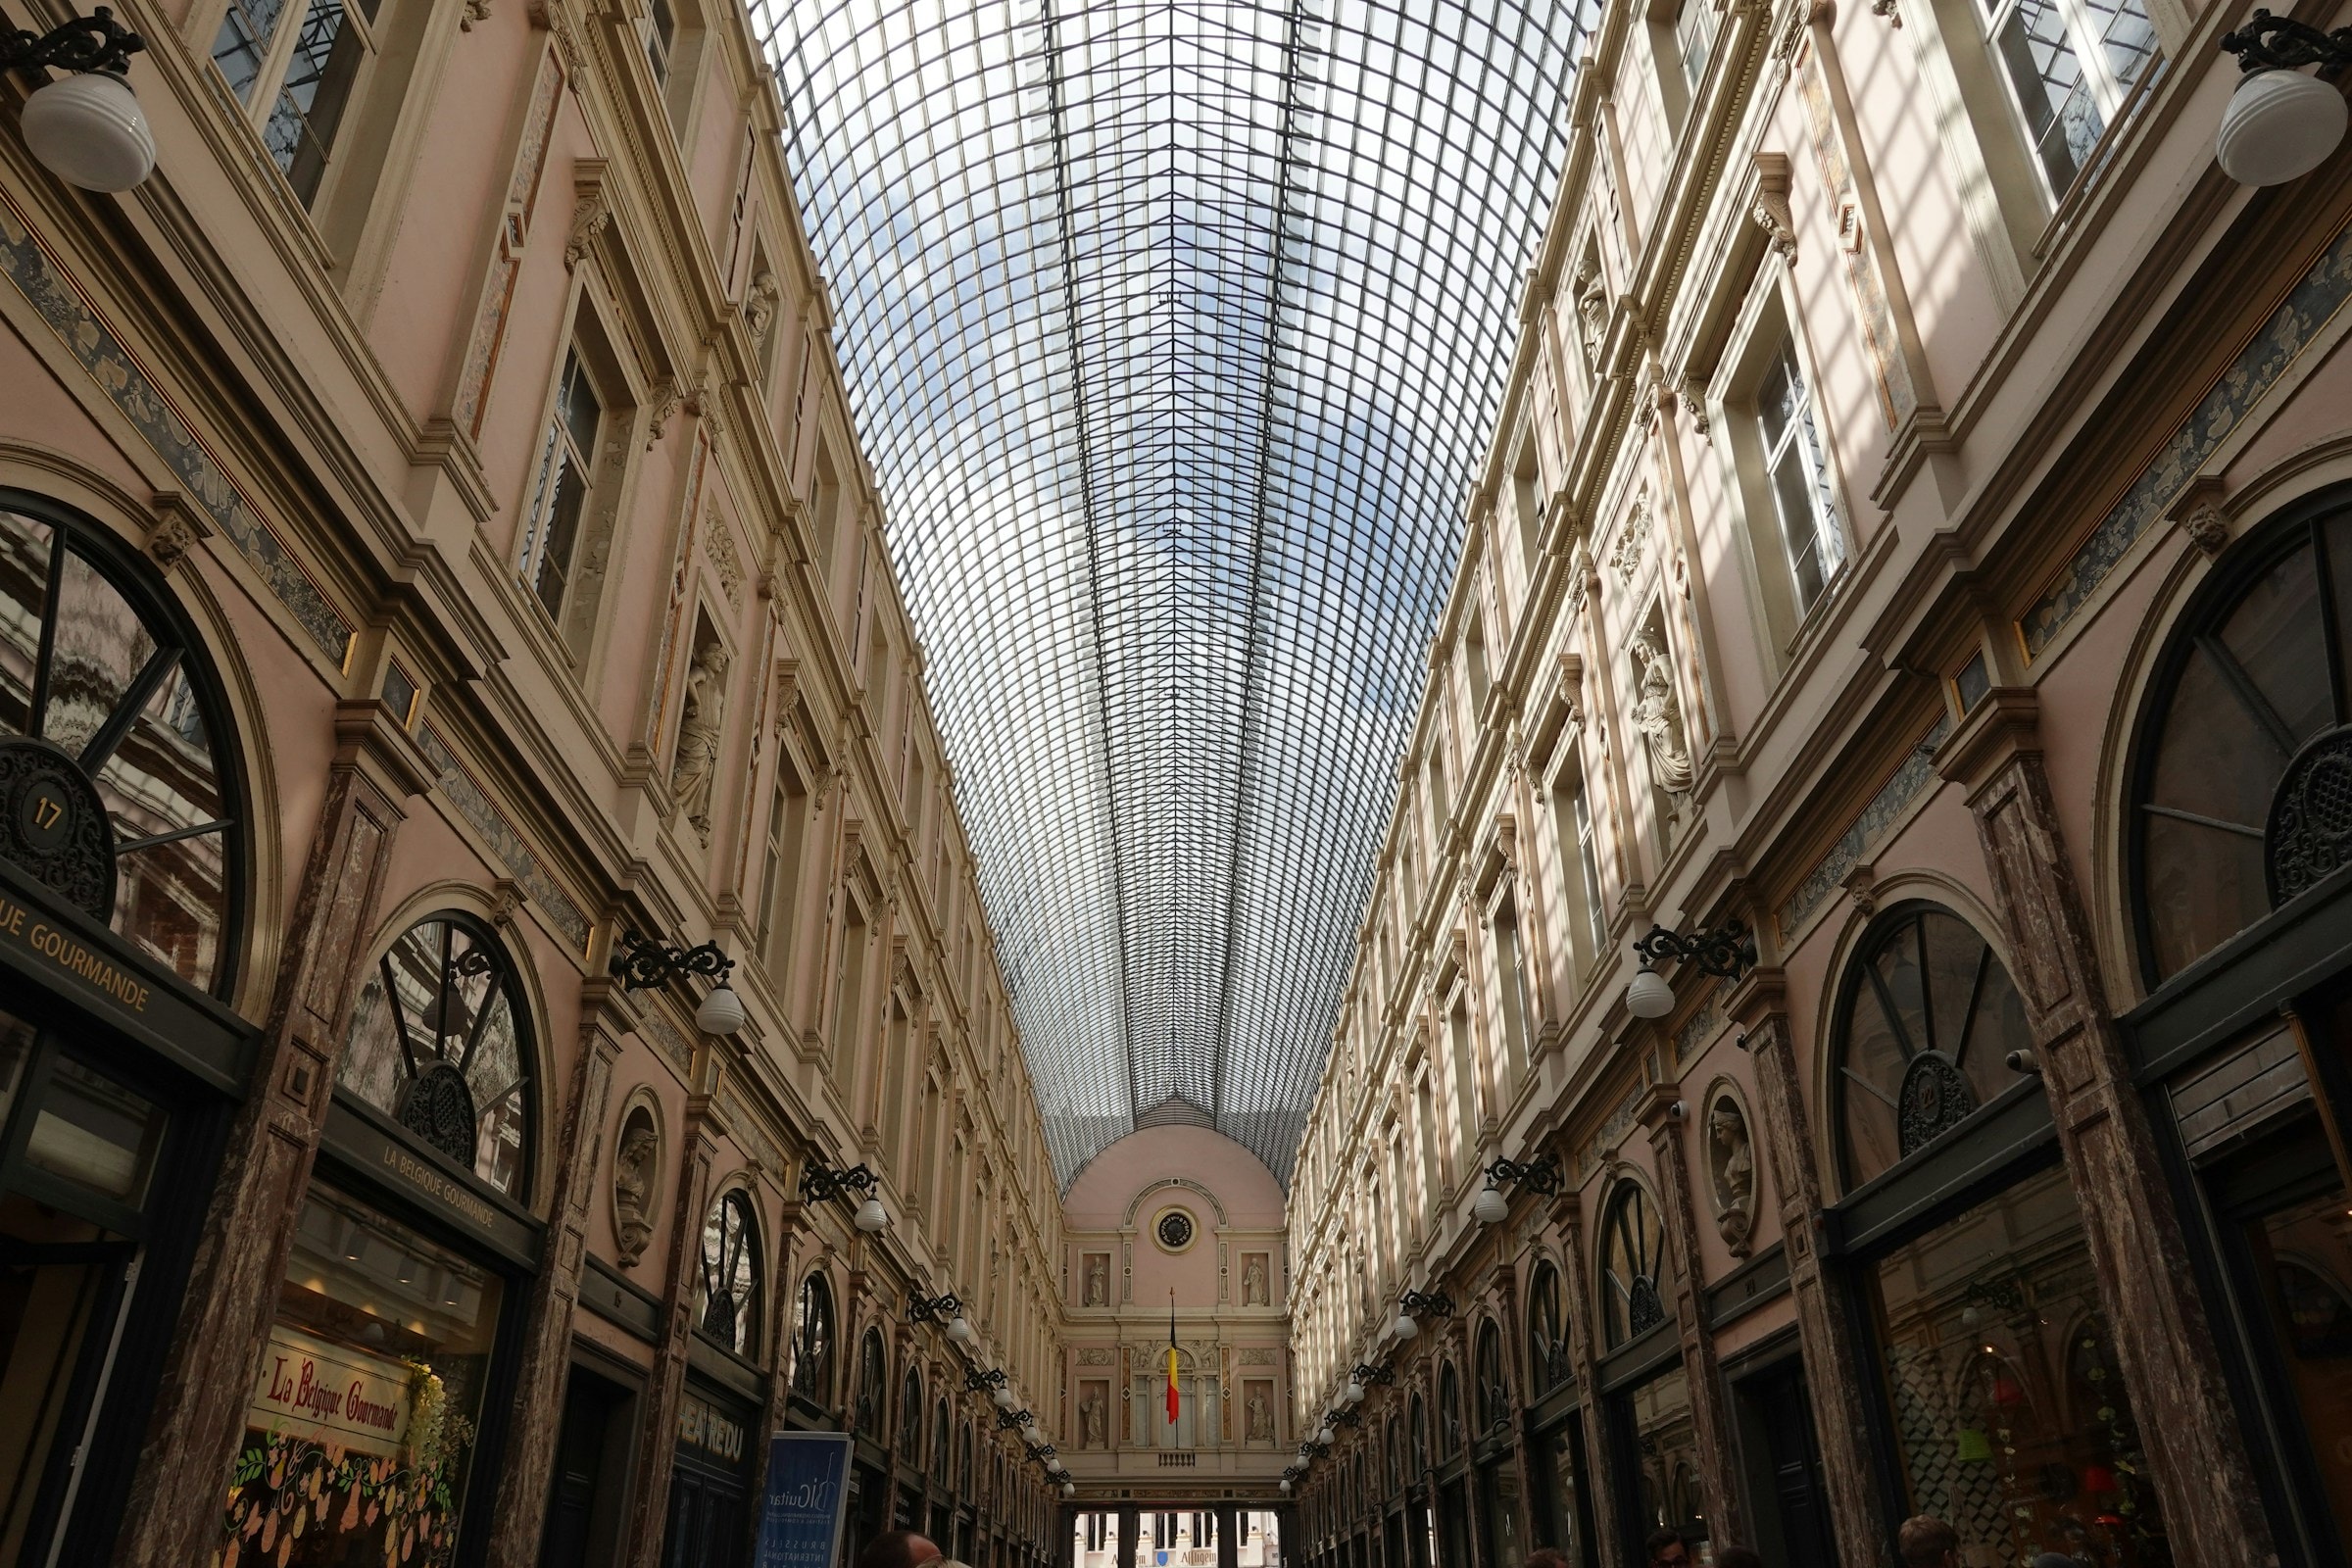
(1561, 1504)
(2235, 866)
(123, 860)
(1990, 1363)
(1643, 1381)
(378, 1414)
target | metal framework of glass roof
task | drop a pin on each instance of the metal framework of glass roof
(1175, 333)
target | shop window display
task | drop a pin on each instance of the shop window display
(2010, 1414)
(359, 1426)
(1666, 1453)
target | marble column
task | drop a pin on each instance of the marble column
(2212, 1512)
(1229, 1546)
(657, 1433)
(177, 1503)
(539, 1380)
(1832, 1351)
(1711, 1421)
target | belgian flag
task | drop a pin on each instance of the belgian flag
(1171, 1358)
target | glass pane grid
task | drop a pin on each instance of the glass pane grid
(1175, 335)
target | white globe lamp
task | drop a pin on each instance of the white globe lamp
(1324, 1437)
(89, 131)
(1003, 1397)
(1069, 1489)
(1404, 1328)
(1489, 1207)
(2278, 125)
(1650, 996)
(872, 1217)
(721, 1013)
(1285, 1485)
(1353, 1394)
(959, 1329)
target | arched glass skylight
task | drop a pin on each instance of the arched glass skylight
(1175, 333)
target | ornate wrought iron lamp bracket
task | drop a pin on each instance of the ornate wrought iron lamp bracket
(641, 963)
(2280, 43)
(95, 42)
(979, 1382)
(820, 1183)
(1541, 1174)
(930, 1308)
(1421, 1303)
(1371, 1376)
(1013, 1420)
(1727, 951)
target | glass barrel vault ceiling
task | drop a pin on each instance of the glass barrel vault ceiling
(1175, 333)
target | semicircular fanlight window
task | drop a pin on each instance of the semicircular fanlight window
(438, 1044)
(114, 791)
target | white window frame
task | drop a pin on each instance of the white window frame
(561, 443)
(2099, 78)
(263, 94)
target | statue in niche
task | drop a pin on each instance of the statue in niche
(1097, 1280)
(1734, 1167)
(632, 1187)
(1260, 1420)
(1658, 716)
(1253, 1280)
(1592, 310)
(697, 765)
(1092, 1418)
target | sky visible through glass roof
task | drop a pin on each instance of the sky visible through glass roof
(1175, 333)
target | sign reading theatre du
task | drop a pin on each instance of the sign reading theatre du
(806, 1496)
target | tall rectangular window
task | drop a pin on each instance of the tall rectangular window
(296, 67)
(2069, 64)
(567, 474)
(1799, 477)
(660, 37)
(1588, 923)
(1695, 30)
(780, 875)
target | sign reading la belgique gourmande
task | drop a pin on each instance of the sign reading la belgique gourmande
(807, 1494)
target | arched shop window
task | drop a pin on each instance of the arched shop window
(1450, 1410)
(731, 1273)
(2237, 781)
(2009, 1417)
(1420, 1439)
(1494, 1393)
(117, 792)
(910, 1415)
(1546, 1338)
(1396, 1453)
(438, 1044)
(942, 1435)
(812, 1340)
(872, 1384)
(1931, 1018)
(1632, 1250)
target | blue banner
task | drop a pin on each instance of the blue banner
(807, 1497)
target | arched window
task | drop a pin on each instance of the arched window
(731, 1273)
(117, 789)
(1548, 1360)
(812, 1340)
(1396, 1453)
(910, 1415)
(1930, 1018)
(1631, 1250)
(873, 1391)
(941, 1436)
(1494, 1389)
(963, 1461)
(1420, 1439)
(1450, 1410)
(2248, 728)
(437, 1042)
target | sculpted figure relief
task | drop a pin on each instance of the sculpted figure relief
(1091, 1419)
(1734, 1165)
(690, 779)
(1260, 1427)
(1253, 1280)
(1658, 716)
(632, 1187)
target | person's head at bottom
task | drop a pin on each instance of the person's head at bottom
(1547, 1557)
(1667, 1549)
(898, 1549)
(1926, 1542)
(1739, 1557)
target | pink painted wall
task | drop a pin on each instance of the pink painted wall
(1138, 1164)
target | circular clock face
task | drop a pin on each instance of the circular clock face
(1174, 1229)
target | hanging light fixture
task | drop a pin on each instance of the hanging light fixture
(87, 128)
(1003, 1397)
(2280, 124)
(1069, 1489)
(1726, 951)
(1541, 1174)
(1354, 1393)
